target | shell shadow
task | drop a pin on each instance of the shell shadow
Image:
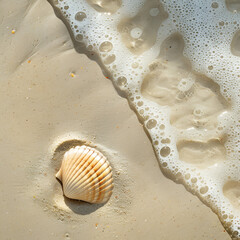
(80, 207)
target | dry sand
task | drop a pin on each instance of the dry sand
(42, 105)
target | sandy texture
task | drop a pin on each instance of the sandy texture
(50, 94)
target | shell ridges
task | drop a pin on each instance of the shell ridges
(86, 175)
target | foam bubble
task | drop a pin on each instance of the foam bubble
(106, 46)
(136, 32)
(80, 16)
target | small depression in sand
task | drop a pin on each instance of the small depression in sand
(68, 209)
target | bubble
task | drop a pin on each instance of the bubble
(194, 180)
(67, 236)
(235, 235)
(187, 176)
(198, 112)
(210, 67)
(79, 37)
(109, 59)
(80, 16)
(135, 65)
(151, 123)
(162, 126)
(214, 5)
(121, 81)
(89, 47)
(165, 140)
(106, 46)
(204, 190)
(164, 164)
(136, 32)
(165, 151)
(221, 23)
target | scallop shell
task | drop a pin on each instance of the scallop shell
(86, 175)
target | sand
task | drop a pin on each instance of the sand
(51, 94)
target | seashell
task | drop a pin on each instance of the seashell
(86, 175)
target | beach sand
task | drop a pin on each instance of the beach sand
(50, 95)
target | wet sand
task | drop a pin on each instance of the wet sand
(49, 94)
